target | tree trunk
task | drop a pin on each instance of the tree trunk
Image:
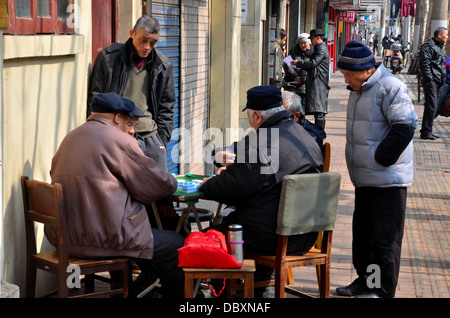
(424, 11)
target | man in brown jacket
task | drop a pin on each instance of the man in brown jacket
(107, 181)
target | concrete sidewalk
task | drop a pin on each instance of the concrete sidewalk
(425, 261)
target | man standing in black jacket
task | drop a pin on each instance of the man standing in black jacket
(140, 72)
(277, 147)
(433, 77)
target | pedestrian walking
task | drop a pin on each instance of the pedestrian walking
(433, 77)
(379, 153)
(375, 44)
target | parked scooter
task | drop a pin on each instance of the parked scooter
(396, 58)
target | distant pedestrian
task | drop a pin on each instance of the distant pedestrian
(279, 51)
(433, 77)
(302, 51)
(375, 45)
(318, 77)
(442, 108)
(379, 152)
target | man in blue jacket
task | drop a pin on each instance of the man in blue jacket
(379, 152)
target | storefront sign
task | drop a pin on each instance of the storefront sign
(347, 16)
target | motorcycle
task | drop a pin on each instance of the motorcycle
(396, 58)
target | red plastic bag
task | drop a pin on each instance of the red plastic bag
(206, 250)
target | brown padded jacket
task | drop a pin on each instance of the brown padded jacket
(107, 181)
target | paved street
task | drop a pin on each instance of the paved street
(425, 261)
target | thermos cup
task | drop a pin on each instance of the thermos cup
(236, 242)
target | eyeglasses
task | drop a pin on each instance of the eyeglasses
(130, 125)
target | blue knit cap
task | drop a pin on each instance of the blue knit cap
(356, 57)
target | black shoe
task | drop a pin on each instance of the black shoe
(428, 137)
(435, 136)
(358, 287)
(368, 295)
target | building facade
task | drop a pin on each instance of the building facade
(219, 49)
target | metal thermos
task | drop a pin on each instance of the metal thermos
(236, 242)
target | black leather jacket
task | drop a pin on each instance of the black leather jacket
(110, 74)
(253, 188)
(432, 62)
(317, 82)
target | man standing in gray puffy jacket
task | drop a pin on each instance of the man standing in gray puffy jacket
(379, 152)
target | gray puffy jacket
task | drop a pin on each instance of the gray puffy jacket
(382, 102)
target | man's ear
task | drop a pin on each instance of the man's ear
(116, 119)
(132, 32)
(258, 119)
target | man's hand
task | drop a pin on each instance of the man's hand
(225, 157)
(220, 170)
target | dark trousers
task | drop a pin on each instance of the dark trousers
(165, 263)
(319, 120)
(155, 149)
(378, 223)
(432, 93)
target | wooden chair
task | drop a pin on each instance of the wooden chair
(43, 203)
(326, 156)
(326, 168)
(308, 203)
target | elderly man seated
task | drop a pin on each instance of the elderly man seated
(292, 102)
(277, 147)
(107, 181)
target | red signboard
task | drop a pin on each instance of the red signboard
(347, 16)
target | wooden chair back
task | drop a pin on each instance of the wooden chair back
(308, 203)
(43, 203)
(326, 156)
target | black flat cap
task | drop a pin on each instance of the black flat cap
(263, 98)
(316, 32)
(114, 103)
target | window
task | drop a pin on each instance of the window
(40, 16)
